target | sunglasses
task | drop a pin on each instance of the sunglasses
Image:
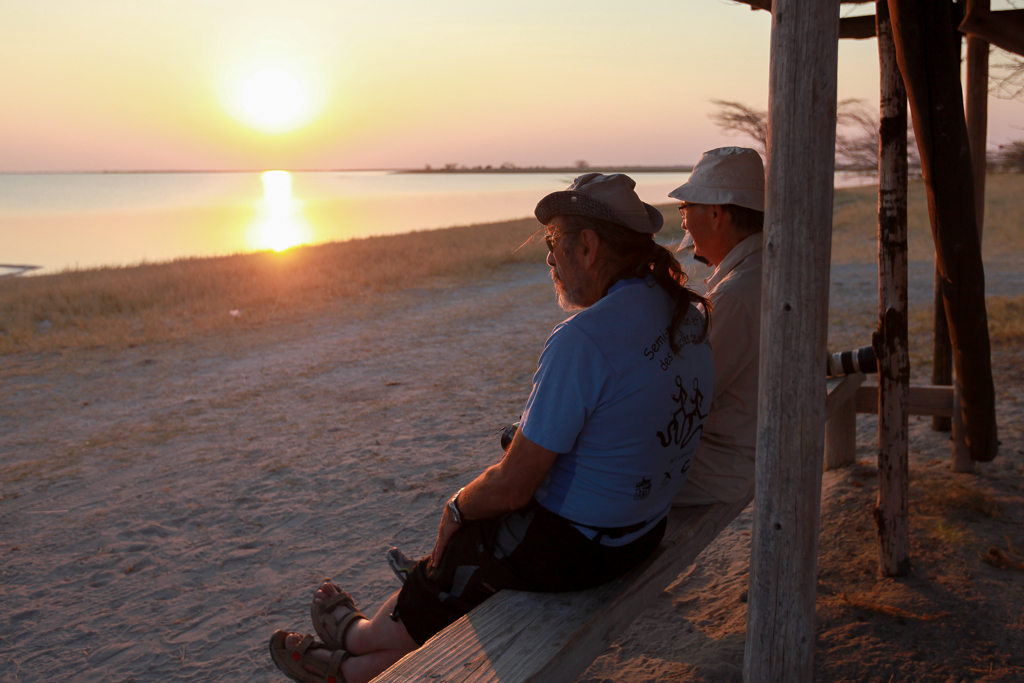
(550, 241)
(684, 207)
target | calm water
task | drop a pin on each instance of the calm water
(84, 220)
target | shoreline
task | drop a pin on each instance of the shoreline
(212, 481)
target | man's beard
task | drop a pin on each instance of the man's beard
(569, 289)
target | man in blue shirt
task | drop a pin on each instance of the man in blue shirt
(606, 439)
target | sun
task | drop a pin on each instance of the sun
(271, 99)
(274, 99)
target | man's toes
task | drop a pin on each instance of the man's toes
(325, 591)
(318, 651)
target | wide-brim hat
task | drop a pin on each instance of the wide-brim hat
(727, 175)
(607, 197)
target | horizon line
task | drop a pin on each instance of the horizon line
(479, 169)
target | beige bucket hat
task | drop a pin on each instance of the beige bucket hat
(608, 197)
(727, 175)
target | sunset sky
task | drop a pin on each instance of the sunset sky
(311, 84)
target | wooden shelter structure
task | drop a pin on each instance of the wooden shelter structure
(554, 637)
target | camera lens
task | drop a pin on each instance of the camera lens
(852, 362)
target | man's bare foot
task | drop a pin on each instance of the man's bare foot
(332, 626)
(317, 651)
(297, 655)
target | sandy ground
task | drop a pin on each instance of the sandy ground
(164, 508)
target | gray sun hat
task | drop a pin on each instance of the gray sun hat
(727, 175)
(607, 197)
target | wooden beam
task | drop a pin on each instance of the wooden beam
(1003, 29)
(515, 637)
(928, 50)
(767, 4)
(857, 28)
(925, 399)
(891, 339)
(794, 319)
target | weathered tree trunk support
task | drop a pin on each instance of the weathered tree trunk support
(927, 49)
(890, 340)
(942, 349)
(976, 109)
(794, 315)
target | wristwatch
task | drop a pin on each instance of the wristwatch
(453, 508)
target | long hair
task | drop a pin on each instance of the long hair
(637, 255)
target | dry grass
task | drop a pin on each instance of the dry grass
(942, 497)
(855, 221)
(1005, 320)
(888, 610)
(127, 306)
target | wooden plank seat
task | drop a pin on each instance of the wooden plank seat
(516, 636)
(549, 637)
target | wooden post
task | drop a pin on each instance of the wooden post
(928, 53)
(794, 317)
(890, 341)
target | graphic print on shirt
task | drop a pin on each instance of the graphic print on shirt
(680, 434)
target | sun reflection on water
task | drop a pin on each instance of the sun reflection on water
(280, 224)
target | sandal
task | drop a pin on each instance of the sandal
(400, 563)
(320, 613)
(293, 662)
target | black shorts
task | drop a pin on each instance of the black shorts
(531, 549)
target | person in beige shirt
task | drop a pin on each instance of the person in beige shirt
(723, 212)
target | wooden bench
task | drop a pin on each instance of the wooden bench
(551, 637)
(848, 396)
(841, 419)
(929, 399)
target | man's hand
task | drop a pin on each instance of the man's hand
(445, 528)
(506, 486)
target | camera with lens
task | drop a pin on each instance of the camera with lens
(852, 362)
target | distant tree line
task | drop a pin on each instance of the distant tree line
(856, 133)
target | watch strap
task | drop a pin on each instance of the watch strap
(453, 508)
